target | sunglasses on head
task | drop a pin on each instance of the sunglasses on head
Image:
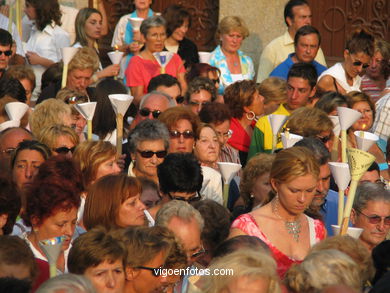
(64, 150)
(375, 219)
(149, 154)
(145, 112)
(187, 134)
(6, 53)
(157, 272)
(75, 99)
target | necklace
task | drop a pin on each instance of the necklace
(292, 227)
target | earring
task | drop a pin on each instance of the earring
(250, 115)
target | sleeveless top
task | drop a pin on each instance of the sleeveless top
(247, 224)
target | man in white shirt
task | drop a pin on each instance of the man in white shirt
(297, 13)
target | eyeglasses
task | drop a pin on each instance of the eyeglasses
(193, 198)
(8, 151)
(196, 104)
(149, 154)
(324, 139)
(157, 272)
(6, 53)
(226, 134)
(199, 253)
(375, 219)
(179, 99)
(145, 112)
(215, 80)
(64, 150)
(187, 134)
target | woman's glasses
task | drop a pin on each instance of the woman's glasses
(149, 154)
(187, 134)
(64, 150)
(157, 272)
(145, 112)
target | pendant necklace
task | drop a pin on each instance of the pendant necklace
(292, 227)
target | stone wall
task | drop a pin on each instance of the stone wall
(264, 19)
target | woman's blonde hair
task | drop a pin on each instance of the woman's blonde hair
(50, 134)
(321, 269)
(273, 89)
(356, 97)
(85, 58)
(232, 23)
(48, 113)
(294, 162)
(248, 263)
(89, 155)
(353, 248)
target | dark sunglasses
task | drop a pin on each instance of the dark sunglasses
(193, 198)
(216, 80)
(375, 219)
(6, 53)
(145, 112)
(157, 272)
(360, 63)
(75, 100)
(196, 104)
(187, 134)
(179, 99)
(149, 154)
(64, 150)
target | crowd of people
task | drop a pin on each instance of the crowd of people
(152, 211)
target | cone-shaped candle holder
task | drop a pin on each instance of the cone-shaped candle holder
(228, 171)
(52, 249)
(16, 110)
(163, 59)
(87, 110)
(120, 103)
(204, 57)
(359, 162)
(347, 117)
(342, 176)
(276, 122)
(115, 57)
(67, 55)
(365, 140)
(136, 22)
(8, 124)
(336, 125)
(351, 231)
(288, 140)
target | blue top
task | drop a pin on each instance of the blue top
(283, 68)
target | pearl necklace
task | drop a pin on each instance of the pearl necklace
(292, 227)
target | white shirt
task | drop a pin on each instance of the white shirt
(337, 71)
(15, 34)
(48, 44)
(120, 29)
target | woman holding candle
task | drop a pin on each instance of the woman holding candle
(143, 67)
(281, 223)
(47, 37)
(362, 103)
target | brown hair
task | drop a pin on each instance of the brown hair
(105, 197)
(171, 116)
(239, 95)
(356, 97)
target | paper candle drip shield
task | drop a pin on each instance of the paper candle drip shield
(347, 117)
(276, 122)
(87, 110)
(228, 170)
(8, 124)
(52, 247)
(120, 103)
(289, 140)
(163, 58)
(16, 110)
(341, 174)
(359, 162)
(365, 140)
(204, 57)
(136, 22)
(115, 56)
(352, 231)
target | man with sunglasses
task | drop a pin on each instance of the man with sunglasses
(152, 105)
(5, 49)
(371, 212)
(345, 77)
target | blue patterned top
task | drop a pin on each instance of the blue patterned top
(218, 59)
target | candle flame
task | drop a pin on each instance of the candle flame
(364, 126)
(116, 47)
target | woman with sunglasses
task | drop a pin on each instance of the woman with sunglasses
(143, 67)
(148, 146)
(362, 103)
(61, 139)
(345, 77)
(46, 40)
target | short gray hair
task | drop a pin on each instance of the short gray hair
(67, 283)
(180, 209)
(171, 101)
(154, 21)
(369, 191)
(148, 130)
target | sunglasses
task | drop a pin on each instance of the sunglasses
(75, 100)
(196, 104)
(64, 150)
(225, 134)
(193, 198)
(375, 219)
(187, 134)
(149, 154)
(216, 80)
(145, 112)
(157, 272)
(179, 99)
(360, 63)
(6, 53)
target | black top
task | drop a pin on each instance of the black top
(188, 52)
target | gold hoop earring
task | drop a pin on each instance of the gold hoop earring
(250, 115)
